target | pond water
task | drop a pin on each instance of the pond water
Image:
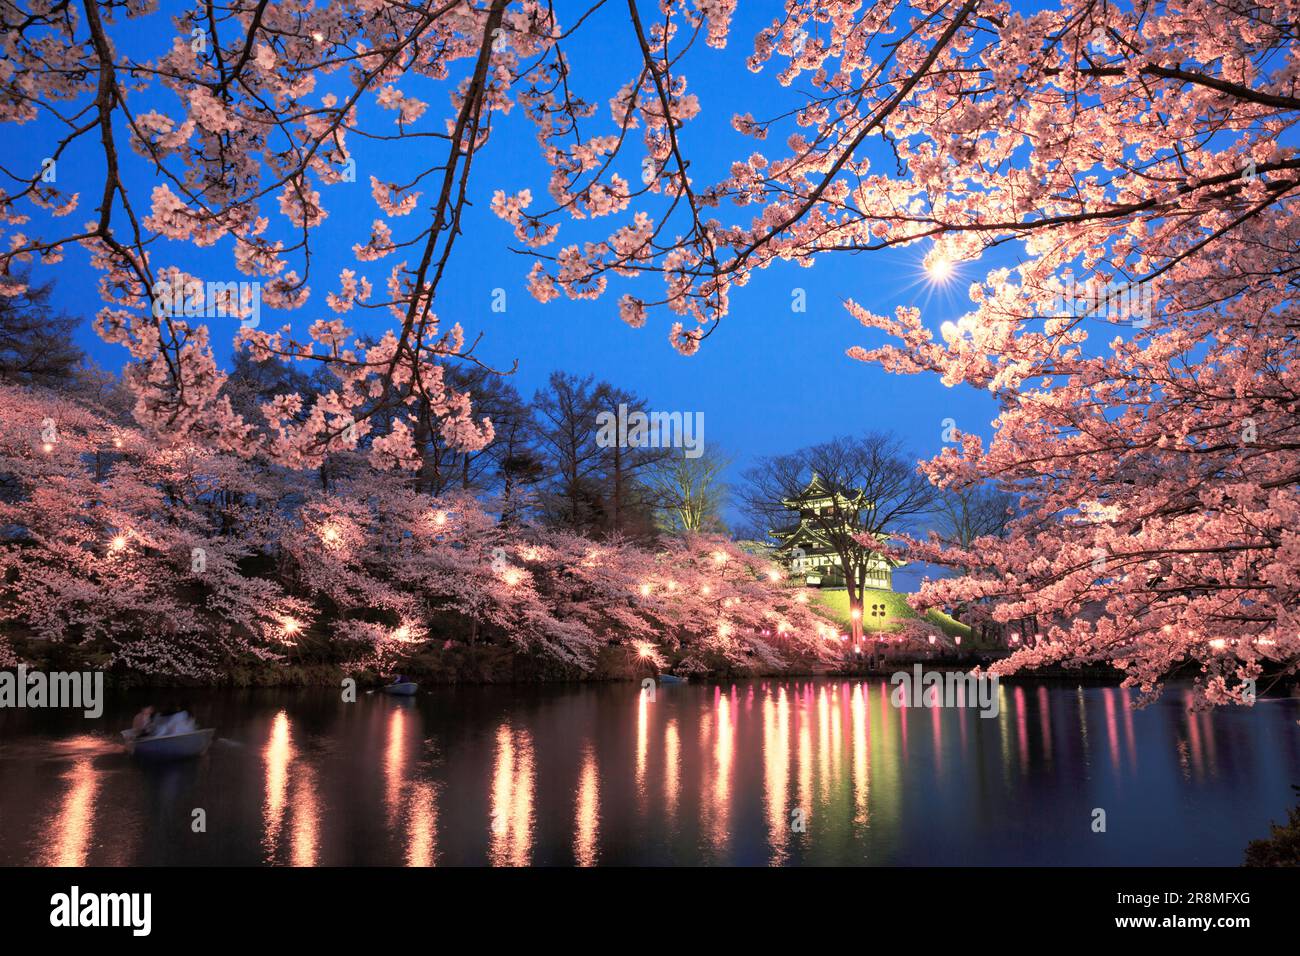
(754, 772)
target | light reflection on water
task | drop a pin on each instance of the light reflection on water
(755, 773)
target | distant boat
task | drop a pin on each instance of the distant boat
(169, 747)
(404, 689)
(671, 679)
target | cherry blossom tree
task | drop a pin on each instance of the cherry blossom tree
(124, 554)
(184, 561)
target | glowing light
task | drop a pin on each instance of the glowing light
(531, 553)
(801, 597)
(330, 536)
(1015, 638)
(512, 576)
(47, 447)
(117, 443)
(672, 585)
(289, 626)
(856, 614)
(939, 268)
(957, 639)
(439, 519)
(773, 575)
(645, 590)
(117, 544)
(645, 650)
(73, 824)
(1218, 643)
(931, 638)
(706, 590)
(719, 557)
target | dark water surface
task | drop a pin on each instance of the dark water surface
(703, 774)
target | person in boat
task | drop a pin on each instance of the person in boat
(144, 721)
(398, 679)
(175, 720)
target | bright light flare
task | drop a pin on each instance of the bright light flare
(939, 268)
(512, 576)
(118, 544)
(719, 557)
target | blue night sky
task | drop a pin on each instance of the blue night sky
(769, 380)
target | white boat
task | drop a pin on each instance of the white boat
(404, 689)
(169, 747)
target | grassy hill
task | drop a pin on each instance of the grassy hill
(896, 610)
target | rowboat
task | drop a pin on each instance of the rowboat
(671, 679)
(405, 689)
(169, 747)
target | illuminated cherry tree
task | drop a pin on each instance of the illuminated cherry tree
(179, 560)
(126, 554)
